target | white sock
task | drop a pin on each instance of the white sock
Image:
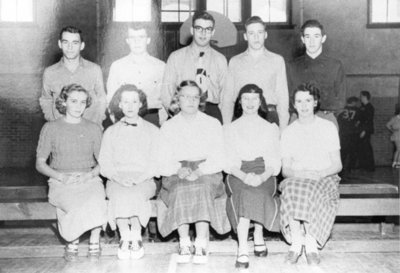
(297, 242)
(136, 234)
(311, 244)
(125, 234)
(200, 242)
(185, 241)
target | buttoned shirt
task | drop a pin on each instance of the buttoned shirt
(145, 72)
(87, 74)
(326, 73)
(182, 65)
(268, 72)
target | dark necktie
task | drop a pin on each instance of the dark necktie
(129, 124)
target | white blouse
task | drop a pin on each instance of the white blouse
(129, 150)
(248, 138)
(192, 140)
(309, 145)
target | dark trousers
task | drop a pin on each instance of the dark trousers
(348, 151)
(365, 153)
(213, 110)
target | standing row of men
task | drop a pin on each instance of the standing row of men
(198, 61)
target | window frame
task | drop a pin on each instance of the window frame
(374, 25)
(245, 13)
(33, 23)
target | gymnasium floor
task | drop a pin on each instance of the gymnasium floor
(35, 247)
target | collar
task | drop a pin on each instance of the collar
(139, 122)
(143, 58)
(195, 50)
(81, 62)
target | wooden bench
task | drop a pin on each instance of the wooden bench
(35, 206)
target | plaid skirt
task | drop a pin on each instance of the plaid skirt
(126, 202)
(185, 202)
(314, 202)
(80, 207)
(259, 204)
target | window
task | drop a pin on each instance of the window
(271, 11)
(177, 10)
(230, 8)
(132, 11)
(16, 11)
(384, 13)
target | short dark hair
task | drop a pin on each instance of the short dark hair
(254, 89)
(253, 20)
(312, 23)
(352, 99)
(174, 107)
(202, 15)
(366, 94)
(116, 99)
(138, 26)
(64, 94)
(71, 29)
(310, 88)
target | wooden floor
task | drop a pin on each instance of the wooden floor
(34, 246)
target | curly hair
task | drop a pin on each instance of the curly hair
(116, 99)
(310, 88)
(64, 94)
(254, 89)
(174, 107)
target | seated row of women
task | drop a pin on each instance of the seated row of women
(189, 152)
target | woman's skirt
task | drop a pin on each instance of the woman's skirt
(259, 204)
(314, 202)
(185, 202)
(126, 202)
(80, 206)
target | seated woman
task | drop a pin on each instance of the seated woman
(191, 157)
(127, 158)
(253, 161)
(310, 163)
(72, 144)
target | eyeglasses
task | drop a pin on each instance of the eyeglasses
(191, 98)
(200, 29)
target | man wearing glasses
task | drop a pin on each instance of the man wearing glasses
(198, 62)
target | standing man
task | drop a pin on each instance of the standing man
(325, 72)
(258, 65)
(365, 152)
(199, 62)
(140, 69)
(73, 68)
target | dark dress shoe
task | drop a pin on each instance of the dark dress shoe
(313, 258)
(292, 257)
(239, 264)
(261, 253)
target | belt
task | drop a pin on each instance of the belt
(152, 111)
